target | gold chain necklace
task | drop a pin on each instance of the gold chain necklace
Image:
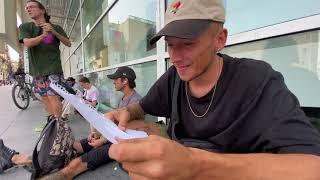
(212, 97)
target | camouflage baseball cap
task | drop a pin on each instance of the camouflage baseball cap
(189, 18)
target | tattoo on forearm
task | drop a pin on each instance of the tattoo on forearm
(136, 111)
(146, 129)
(54, 176)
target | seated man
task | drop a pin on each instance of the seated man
(91, 96)
(95, 147)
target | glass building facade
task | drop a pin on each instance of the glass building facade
(107, 34)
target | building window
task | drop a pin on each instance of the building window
(131, 25)
(248, 15)
(122, 35)
(92, 10)
(75, 36)
(296, 56)
(64, 61)
(72, 15)
(66, 69)
(76, 61)
(95, 49)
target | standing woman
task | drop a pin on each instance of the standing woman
(42, 39)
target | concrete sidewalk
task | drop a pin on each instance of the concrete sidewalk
(17, 131)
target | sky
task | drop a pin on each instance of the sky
(145, 9)
(14, 56)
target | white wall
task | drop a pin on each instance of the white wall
(2, 18)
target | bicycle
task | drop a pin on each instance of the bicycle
(22, 91)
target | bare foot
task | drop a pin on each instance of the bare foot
(21, 159)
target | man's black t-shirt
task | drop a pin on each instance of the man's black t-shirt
(252, 111)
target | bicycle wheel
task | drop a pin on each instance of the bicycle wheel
(20, 96)
(31, 92)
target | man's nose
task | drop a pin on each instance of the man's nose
(176, 56)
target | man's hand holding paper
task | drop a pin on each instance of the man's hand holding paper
(104, 125)
(149, 127)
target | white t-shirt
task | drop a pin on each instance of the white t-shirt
(91, 94)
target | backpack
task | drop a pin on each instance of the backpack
(56, 149)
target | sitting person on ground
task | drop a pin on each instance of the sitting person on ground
(123, 80)
(67, 108)
(91, 93)
(95, 147)
(75, 85)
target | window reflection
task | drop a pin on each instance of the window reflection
(65, 53)
(258, 15)
(76, 61)
(66, 69)
(295, 56)
(72, 14)
(64, 61)
(96, 50)
(92, 10)
(75, 36)
(131, 25)
(122, 35)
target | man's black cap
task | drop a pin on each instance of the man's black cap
(123, 72)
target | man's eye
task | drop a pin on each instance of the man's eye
(188, 43)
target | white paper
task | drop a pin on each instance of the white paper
(105, 126)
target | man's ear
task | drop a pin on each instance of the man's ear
(125, 81)
(222, 39)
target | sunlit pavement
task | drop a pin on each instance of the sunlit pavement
(17, 131)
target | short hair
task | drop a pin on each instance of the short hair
(131, 82)
(71, 79)
(84, 80)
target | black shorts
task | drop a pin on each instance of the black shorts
(95, 157)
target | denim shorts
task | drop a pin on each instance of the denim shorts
(42, 84)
